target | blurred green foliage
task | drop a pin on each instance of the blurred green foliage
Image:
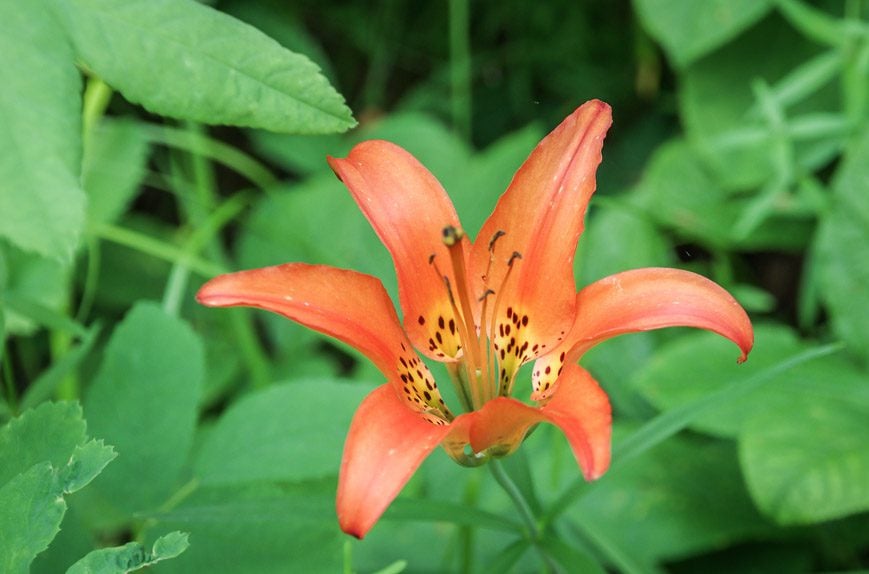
(740, 150)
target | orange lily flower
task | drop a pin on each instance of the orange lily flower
(483, 308)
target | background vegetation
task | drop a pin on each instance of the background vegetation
(135, 163)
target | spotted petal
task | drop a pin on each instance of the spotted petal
(541, 215)
(409, 209)
(580, 408)
(347, 305)
(641, 300)
(386, 444)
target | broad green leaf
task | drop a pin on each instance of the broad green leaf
(131, 556)
(810, 464)
(40, 143)
(843, 250)
(37, 279)
(701, 363)
(113, 167)
(639, 243)
(650, 505)
(265, 530)
(681, 192)
(182, 59)
(689, 29)
(717, 103)
(48, 433)
(143, 400)
(288, 432)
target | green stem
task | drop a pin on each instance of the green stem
(199, 144)
(533, 531)
(457, 377)
(504, 480)
(154, 247)
(97, 96)
(460, 67)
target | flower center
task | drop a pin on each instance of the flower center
(488, 337)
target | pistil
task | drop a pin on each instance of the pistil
(477, 371)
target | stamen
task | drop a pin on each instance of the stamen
(516, 255)
(452, 237)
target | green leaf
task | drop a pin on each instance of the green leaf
(650, 504)
(40, 143)
(113, 167)
(31, 509)
(49, 433)
(842, 246)
(689, 29)
(35, 279)
(716, 99)
(182, 59)
(264, 529)
(288, 432)
(679, 192)
(700, 363)
(87, 461)
(810, 464)
(131, 556)
(143, 400)
(43, 455)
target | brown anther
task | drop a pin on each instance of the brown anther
(516, 255)
(452, 235)
(431, 258)
(498, 234)
(485, 294)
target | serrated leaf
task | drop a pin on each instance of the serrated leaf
(40, 143)
(50, 432)
(87, 461)
(288, 432)
(31, 509)
(131, 556)
(809, 464)
(43, 455)
(182, 59)
(689, 29)
(843, 250)
(143, 401)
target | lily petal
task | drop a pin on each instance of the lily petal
(350, 306)
(580, 408)
(409, 209)
(641, 300)
(387, 442)
(541, 215)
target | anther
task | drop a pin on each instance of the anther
(452, 235)
(485, 294)
(516, 255)
(498, 235)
